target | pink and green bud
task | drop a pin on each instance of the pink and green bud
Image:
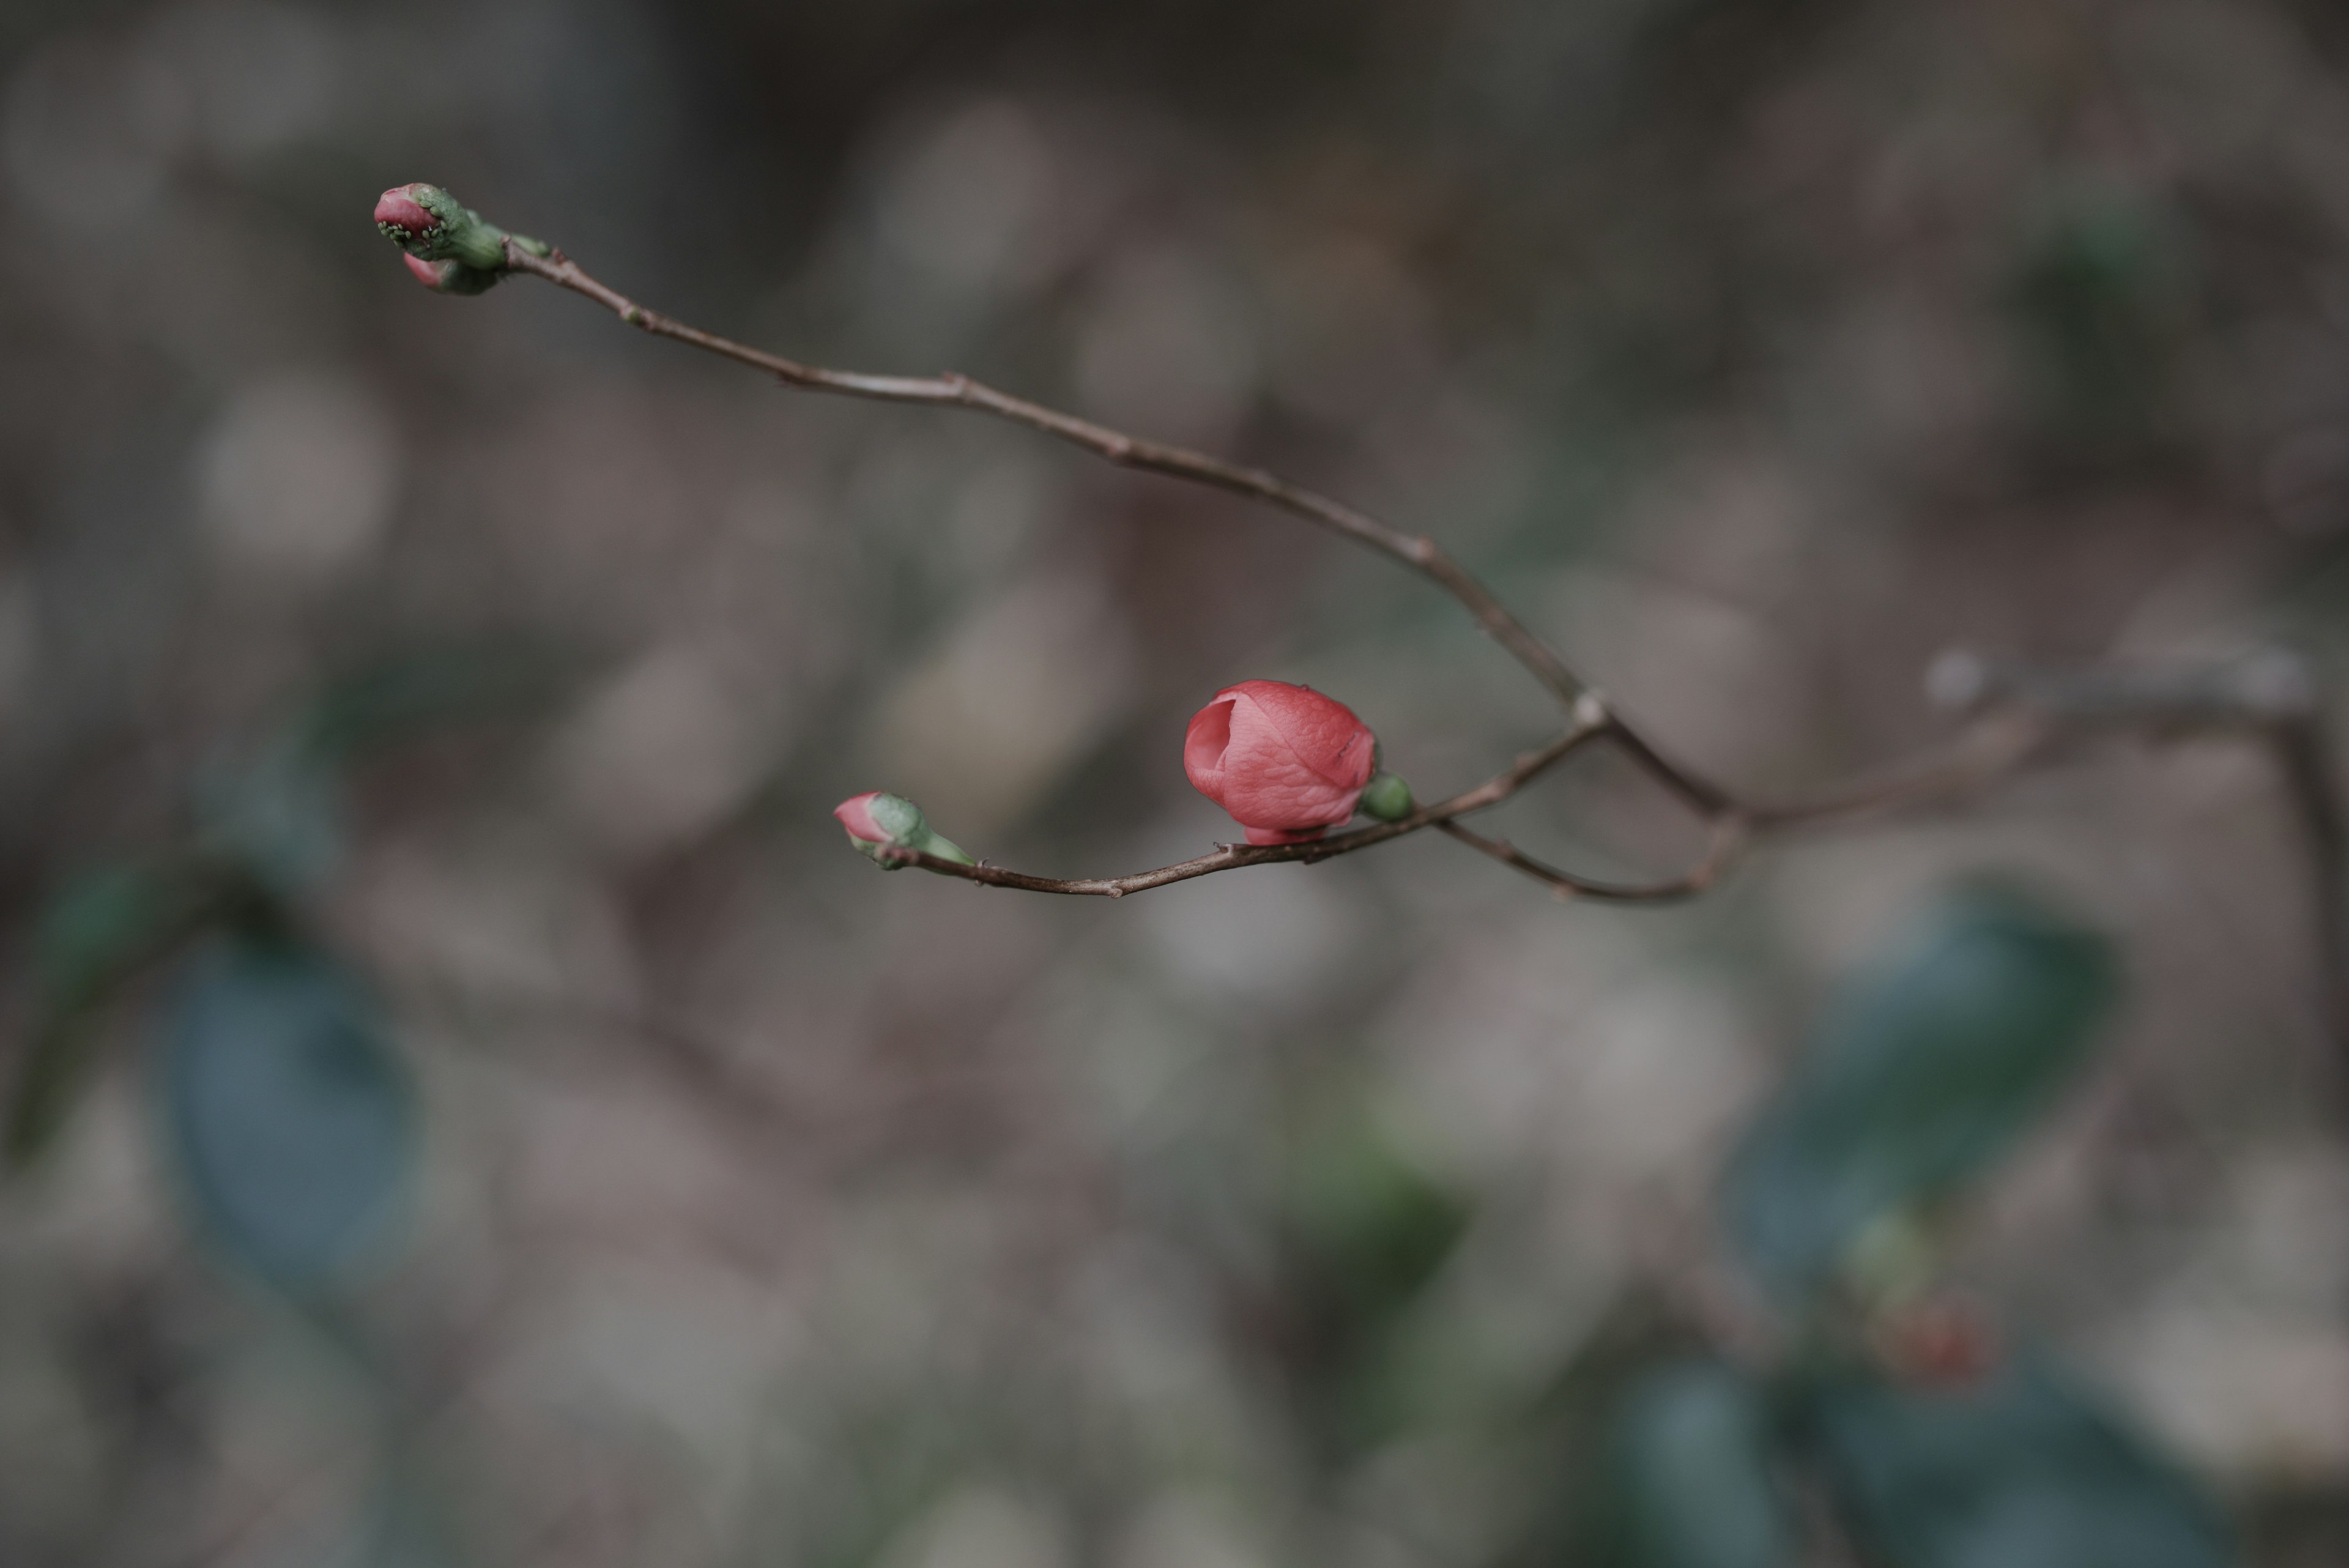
(877, 822)
(434, 228)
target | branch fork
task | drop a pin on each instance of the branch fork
(2015, 713)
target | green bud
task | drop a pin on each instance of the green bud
(878, 822)
(431, 226)
(1386, 797)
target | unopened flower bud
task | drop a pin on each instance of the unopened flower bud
(1386, 797)
(431, 226)
(876, 821)
(1284, 760)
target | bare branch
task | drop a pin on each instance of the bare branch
(1994, 745)
(952, 391)
(1416, 551)
(1728, 834)
(2020, 710)
(1591, 722)
(2270, 695)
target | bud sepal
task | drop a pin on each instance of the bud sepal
(449, 277)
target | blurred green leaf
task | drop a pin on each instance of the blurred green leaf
(2096, 296)
(278, 812)
(292, 1121)
(278, 817)
(406, 1523)
(394, 698)
(1922, 1073)
(105, 927)
(2020, 1472)
(1367, 1228)
(1574, 1422)
(1694, 1487)
(1370, 1222)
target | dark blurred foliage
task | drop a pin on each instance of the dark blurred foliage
(466, 1105)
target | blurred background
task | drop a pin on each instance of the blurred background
(472, 1107)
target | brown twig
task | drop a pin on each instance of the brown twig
(1997, 742)
(1591, 722)
(2270, 697)
(2018, 711)
(1728, 832)
(1417, 552)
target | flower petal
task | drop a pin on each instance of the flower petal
(1204, 744)
(1322, 732)
(855, 814)
(1266, 783)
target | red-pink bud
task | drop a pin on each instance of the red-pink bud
(1284, 760)
(876, 821)
(398, 209)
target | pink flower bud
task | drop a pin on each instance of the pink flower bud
(876, 821)
(398, 210)
(431, 226)
(1284, 760)
(866, 824)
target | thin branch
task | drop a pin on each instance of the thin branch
(1591, 722)
(1728, 835)
(1994, 745)
(2020, 711)
(1417, 552)
(2269, 696)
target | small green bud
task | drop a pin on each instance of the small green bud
(1386, 797)
(437, 230)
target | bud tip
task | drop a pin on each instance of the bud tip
(400, 212)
